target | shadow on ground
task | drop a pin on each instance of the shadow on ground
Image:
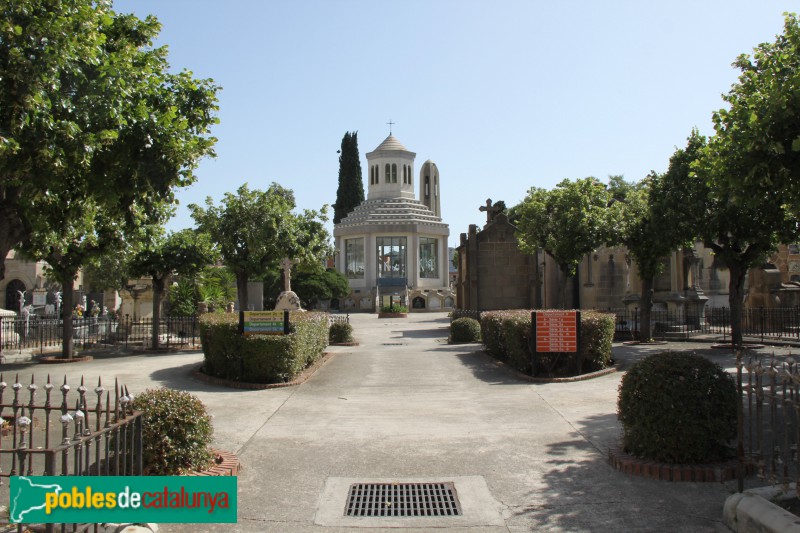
(581, 492)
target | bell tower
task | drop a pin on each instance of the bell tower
(429, 187)
(390, 171)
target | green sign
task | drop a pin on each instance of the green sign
(119, 499)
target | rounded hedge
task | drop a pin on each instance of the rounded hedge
(677, 408)
(176, 432)
(340, 333)
(465, 330)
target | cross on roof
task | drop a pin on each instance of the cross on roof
(390, 123)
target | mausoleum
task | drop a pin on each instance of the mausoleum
(393, 247)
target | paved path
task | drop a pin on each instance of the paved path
(404, 404)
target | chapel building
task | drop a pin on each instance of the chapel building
(393, 247)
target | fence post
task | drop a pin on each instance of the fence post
(739, 422)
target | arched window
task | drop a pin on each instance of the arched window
(435, 187)
(410, 175)
(427, 186)
(388, 173)
(12, 294)
(405, 173)
(394, 172)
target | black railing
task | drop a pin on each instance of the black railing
(769, 391)
(69, 434)
(42, 333)
(757, 323)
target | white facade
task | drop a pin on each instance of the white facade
(393, 247)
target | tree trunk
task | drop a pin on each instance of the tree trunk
(646, 305)
(158, 293)
(736, 299)
(241, 290)
(67, 303)
(563, 288)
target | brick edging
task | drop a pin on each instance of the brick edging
(700, 473)
(228, 465)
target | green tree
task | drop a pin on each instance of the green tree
(95, 133)
(85, 232)
(90, 113)
(184, 253)
(701, 198)
(760, 130)
(567, 222)
(350, 193)
(255, 230)
(313, 285)
(648, 242)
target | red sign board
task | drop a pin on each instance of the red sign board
(557, 331)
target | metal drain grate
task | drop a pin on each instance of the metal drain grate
(402, 499)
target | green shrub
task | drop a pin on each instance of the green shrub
(340, 333)
(678, 408)
(176, 432)
(597, 335)
(492, 331)
(394, 308)
(261, 358)
(465, 330)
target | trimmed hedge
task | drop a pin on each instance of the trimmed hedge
(507, 336)
(465, 330)
(678, 407)
(261, 358)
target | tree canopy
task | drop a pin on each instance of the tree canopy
(567, 222)
(350, 192)
(92, 118)
(759, 133)
(255, 230)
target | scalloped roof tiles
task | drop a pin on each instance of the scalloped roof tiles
(390, 211)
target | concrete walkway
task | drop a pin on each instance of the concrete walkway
(406, 405)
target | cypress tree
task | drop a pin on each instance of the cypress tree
(350, 193)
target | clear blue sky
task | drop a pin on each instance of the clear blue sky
(502, 95)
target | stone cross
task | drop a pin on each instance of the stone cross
(492, 210)
(286, 265)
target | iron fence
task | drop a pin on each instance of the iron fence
(758, 323)
(338, 319)
(769, 432)
(52, 439)
(41, 333)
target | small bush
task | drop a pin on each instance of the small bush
(465, 330)
(176, 432)
(394, 308)
(677, 408)
(340, 332)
